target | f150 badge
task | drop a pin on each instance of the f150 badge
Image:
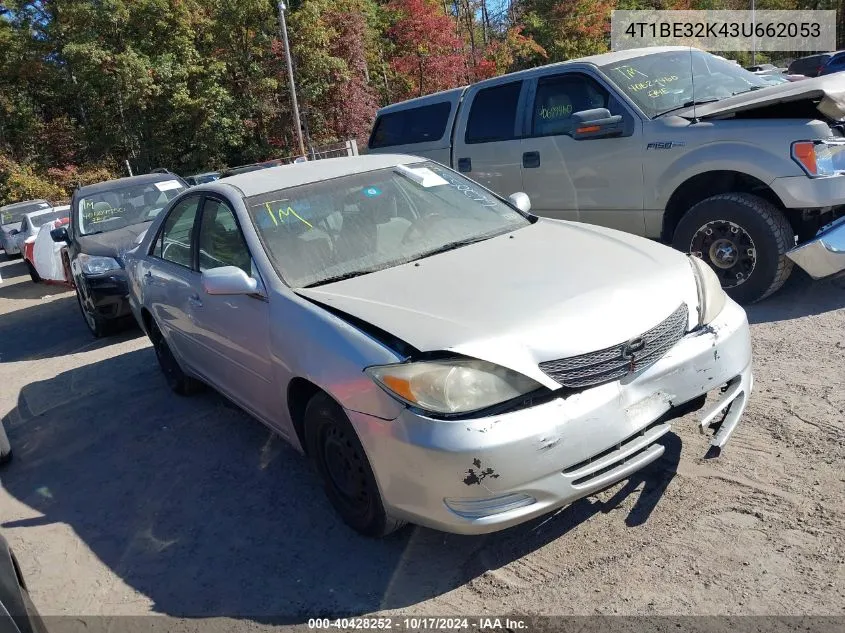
(665, 144)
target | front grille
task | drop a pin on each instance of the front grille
(612, 363)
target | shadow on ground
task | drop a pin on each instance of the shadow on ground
(800, 296)
(207, 513)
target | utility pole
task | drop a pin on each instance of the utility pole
(283, 31)
(753, 34)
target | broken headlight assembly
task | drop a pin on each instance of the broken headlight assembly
(820, 158)
(451, 386)
(711, 297)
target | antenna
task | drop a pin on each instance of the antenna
(692, 84)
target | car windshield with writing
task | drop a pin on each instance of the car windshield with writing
(13, 213)
(124, 206)
(352, 225)
(664, 82)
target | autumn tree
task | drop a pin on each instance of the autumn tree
(427, 52)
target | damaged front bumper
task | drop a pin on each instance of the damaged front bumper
(486, 474)
(824, 255)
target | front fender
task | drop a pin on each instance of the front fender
(736, 156)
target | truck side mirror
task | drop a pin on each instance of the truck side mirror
(595, 123)
(60, 235)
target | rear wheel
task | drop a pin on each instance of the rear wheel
(340, 460)
(177, 379)
(33, 274)
(5, 446)
(744, 239)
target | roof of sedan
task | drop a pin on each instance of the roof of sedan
(262, 181)
(58, 207)
(26, 203)
(109, 185)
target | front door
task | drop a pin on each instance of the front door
(598, 180)
(168, 279)
(233, 331)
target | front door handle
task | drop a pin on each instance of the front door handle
(195, 301)
(464, 165)
(530, 160)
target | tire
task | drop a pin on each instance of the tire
(177, 380)
(98, 326)
(746, 245)
(340, 460)
(5, 446)
(33, 274)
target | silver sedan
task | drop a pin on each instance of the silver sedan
(441, 355)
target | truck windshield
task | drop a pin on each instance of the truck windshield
(663, 82)
(334, 229)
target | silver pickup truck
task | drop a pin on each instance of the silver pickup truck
(670, 143)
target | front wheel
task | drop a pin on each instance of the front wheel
(5, 446)
(96, 324)
(744, 239)
(177, 379)
(340, 460)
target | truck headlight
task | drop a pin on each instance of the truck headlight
(820, 158)
(451, 386)
(97, 265)
(711, 297)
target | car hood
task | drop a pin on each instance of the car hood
(550, 290)
(829, 90)
(112, 243)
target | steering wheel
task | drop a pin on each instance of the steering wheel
(417, 227)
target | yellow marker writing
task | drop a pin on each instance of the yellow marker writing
(270, 213)
(285, 213)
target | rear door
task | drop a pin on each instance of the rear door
(487, 145)
(167, 278)
(232, 332)
(594, 180)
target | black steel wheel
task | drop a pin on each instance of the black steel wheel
(744, 239)
(33, 274)
(347, 477)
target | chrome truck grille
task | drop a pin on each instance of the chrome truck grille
(612, 363)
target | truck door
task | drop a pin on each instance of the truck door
(487, 145)
(597, 180)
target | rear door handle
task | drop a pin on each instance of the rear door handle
(530, 160)
(464, 164)
(195, 301)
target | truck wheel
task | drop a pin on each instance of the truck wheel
(744, 238)
(5, 446)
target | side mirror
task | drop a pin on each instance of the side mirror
(228, 280)
(60, 235)
(14, 231)
(521, 201)
(595, 123)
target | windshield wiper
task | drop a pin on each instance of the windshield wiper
(342, 276)
(450, 246)
(750, 89)
(689, 104)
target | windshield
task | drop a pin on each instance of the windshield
(43, 218)
(662, 82)
(121, 207)
(13, 214)
(360, 223)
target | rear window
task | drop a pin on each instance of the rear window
(492, 116)
(807, 65)
(414, 125)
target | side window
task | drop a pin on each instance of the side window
(414, 125)
(174, 241)
(558, 98)
(492, 116)
(221, 242)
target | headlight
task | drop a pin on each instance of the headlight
(711, 297)
(820, 158)
(452, 386)
(96, 265)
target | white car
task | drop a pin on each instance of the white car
(444, 356)
(32, 221)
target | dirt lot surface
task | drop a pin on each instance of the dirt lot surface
(123, 498)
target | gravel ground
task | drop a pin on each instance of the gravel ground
(124, 499)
